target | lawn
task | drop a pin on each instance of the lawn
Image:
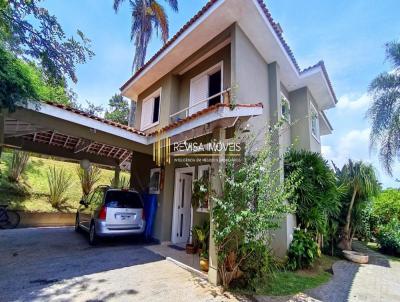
(285, 283)
(35, 182)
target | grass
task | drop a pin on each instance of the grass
(375, 247)
(34, 183)
(285, 283)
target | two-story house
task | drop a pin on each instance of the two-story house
(230, 52)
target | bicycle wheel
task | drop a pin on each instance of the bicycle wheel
(12, 222)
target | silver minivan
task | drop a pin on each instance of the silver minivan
(110, 212)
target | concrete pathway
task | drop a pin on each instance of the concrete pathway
(377, 281)
(57, 264)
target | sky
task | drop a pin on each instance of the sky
(348, 35)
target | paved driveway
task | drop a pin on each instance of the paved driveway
(57, 264)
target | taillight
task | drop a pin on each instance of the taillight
(103, 213)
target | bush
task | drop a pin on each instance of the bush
(59, 182)
(18, 165)
(88, 179)
(388, 237)
(386, 206)
(303, 250)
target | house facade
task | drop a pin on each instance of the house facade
(227, 68)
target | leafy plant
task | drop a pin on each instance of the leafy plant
(388, 237)
(303, 250)
(59, 182)
(118, 109)
(201, 188)
(317, 198)
(201, 234)
(250, 205)
(121, 183)
(88, 179)
(386, 206)
(18, 165)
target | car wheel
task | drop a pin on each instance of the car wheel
(92, 234)
(77, 228)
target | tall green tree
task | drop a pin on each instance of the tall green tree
(118, 110)
(384, 111)
(21, 82)
(147, 16)
(32, 33)
(362, 184)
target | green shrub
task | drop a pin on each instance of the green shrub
(303, 250)
(59, 182)
(88, 179)
(18, 165)
(388, 237)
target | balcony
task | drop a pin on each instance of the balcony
(224, 98)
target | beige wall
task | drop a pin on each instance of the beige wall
(249, 75)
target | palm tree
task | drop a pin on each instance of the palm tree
(147, 15)
(362, 183)
(384, 111)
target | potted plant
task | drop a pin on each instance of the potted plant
(204, 265)
(202, 235)
(200, 193)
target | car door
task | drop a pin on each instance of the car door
(85, 211)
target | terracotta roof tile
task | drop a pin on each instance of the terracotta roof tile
(103, 120)
(274, 25)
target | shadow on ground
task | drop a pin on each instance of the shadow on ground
(33, 259)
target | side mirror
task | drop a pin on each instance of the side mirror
(82, 202)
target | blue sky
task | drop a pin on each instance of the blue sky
(348, 35)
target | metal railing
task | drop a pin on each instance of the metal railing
(224, 100)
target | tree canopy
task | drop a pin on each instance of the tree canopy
(118, 109)
(21, 82)
(384, 111)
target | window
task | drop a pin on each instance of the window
(205, 85)
(285, 108)
(123, 199)
(151, 110)
(314, 122)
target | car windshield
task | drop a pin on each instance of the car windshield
(123, 199)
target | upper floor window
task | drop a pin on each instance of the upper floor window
(314, 122)
(285, 108)
(205, 85)
(151, 110)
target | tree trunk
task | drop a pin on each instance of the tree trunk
(345, 243)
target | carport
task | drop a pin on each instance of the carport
(60, 131)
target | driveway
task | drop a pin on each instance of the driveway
(57, 264)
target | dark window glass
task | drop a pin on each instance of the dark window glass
(156, 111)
(123, 199)
(214, 87)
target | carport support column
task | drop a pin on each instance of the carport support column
(218, 164)
(117, 171)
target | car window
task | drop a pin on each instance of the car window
(96, 199)
(123, 199)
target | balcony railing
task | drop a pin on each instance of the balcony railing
(184, 113)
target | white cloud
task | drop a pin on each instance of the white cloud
(354, 144)
(350, 102)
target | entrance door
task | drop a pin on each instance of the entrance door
(182, 221)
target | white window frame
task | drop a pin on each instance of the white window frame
(314, 111)
(209, 71)
(147, 99)
(283, 97)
